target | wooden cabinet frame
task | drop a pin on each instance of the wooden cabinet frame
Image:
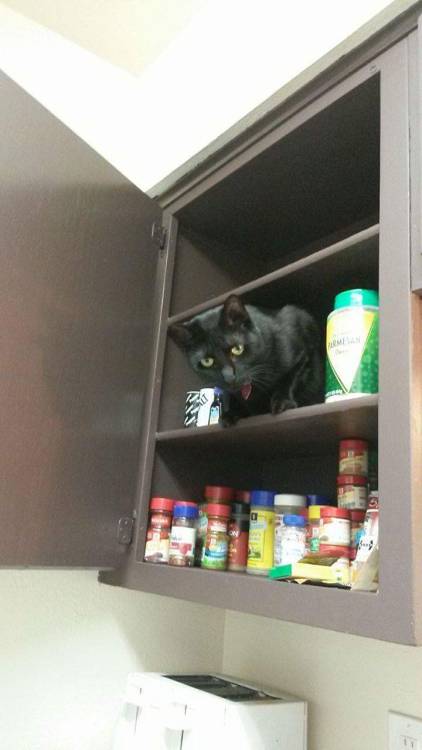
(393, 613)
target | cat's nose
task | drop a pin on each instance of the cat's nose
(229, 374)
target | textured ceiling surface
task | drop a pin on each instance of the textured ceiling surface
(127, 33)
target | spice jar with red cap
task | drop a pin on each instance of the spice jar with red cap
(158, 533)
(353, 457)
(212, 494)
(335, 527)
(215, 551)
(352, 492)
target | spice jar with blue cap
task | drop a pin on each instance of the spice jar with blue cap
(293, 539)
(183, 534)
(261, 533)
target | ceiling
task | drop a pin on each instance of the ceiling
(128, 33)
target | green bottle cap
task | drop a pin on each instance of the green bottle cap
(356, 298)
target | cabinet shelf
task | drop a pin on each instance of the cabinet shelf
(331, 608)
(303, 429)
(351, 262)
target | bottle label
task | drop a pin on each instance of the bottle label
(214, 415)
(292, 544)
(352, 497)
(182, 543)
(215, 550)
(157, 546)
(238, 546)
(352, 352)
(261, 540)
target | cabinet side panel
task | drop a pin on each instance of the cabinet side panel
(77, 269)
(395, 381)
(415, 92)
(416, 409)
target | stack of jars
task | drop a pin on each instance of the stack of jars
(171, 533)
(352, 486)
(212, 534)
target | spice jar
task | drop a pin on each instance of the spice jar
(353, 457)
(214, 555)
(212, 494)
(284, 505)
(352, 492)
(183, 534)
(314, 528)
(293, 539)
(242, 496)
(238, 537)
(261, 533)
(158, 533)
(335, 527)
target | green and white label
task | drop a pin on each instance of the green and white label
(352, 352)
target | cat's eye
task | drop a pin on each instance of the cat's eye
(207, 362)
(237, 350)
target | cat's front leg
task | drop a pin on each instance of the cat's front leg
(288, 394)
(280, 402)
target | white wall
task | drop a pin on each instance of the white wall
(67, 644)
(350, 682)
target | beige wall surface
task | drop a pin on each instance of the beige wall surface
(67, 644)
(350, 682)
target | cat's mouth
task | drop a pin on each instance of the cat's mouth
(246, 390)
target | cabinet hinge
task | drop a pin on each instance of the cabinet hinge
(159, 234)
(125, 530)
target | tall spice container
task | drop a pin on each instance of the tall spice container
(261, 533)
(352, 345)
(238, 537)
(183, 534)
(215, 550)
(212, 494)
(158, 533)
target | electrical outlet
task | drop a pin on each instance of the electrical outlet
(409, 743)
(404, 732)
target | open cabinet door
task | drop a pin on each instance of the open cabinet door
(77, 269)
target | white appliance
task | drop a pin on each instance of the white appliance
(207, 712)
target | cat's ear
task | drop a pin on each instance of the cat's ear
(181, 334)
(234, 313)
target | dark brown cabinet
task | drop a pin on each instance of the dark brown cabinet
(314, 198)
(77, 274)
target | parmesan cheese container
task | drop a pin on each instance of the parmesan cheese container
(352, 345)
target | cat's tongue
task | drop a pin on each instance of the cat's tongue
(246, 391)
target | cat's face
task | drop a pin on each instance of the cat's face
(223, 346)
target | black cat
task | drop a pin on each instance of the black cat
(269, 360)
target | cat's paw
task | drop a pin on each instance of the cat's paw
(280, 404)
